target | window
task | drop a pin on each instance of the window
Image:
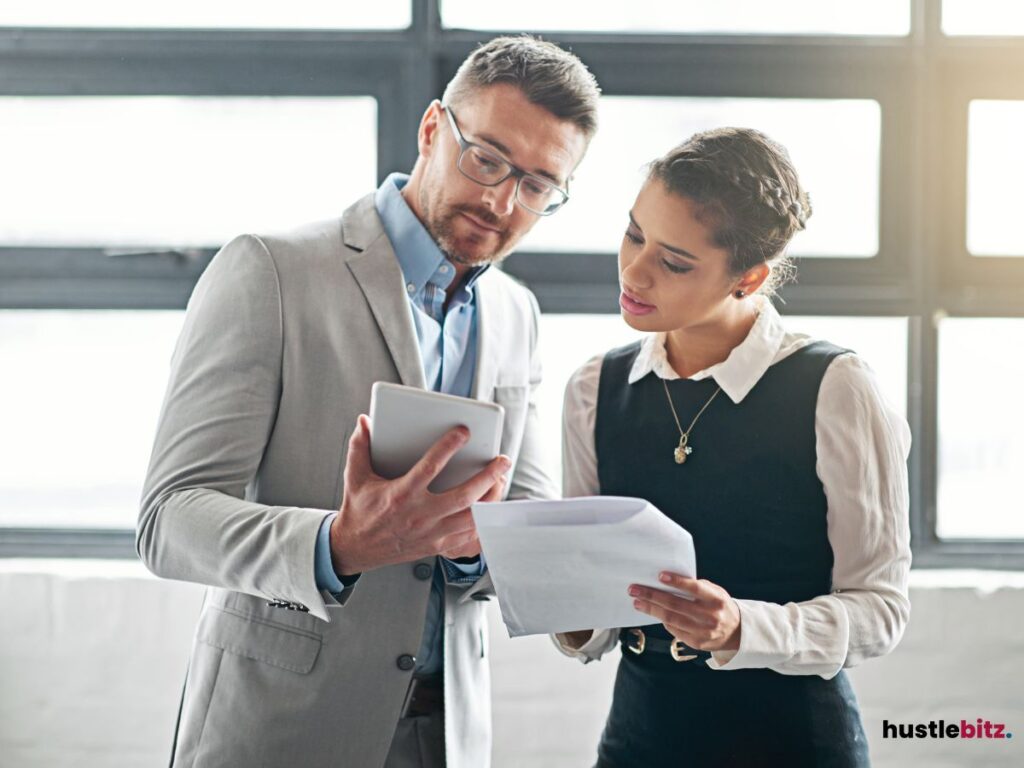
(843, 185)
(981, 444)
(795, 17)
(145, 171)
(138, 137)
(223, 14)
(995, 169)
(80, 413)
(982, 17)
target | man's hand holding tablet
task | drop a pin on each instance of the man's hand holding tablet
(398, 516)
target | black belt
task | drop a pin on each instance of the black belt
(636, 641)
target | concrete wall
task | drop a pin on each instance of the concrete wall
(92, 656)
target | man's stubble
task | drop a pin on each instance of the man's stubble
(441, 226)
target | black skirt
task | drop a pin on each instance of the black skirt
(669, 714)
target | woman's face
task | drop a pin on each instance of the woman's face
(671, 273)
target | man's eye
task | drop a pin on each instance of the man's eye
(486, 162)
(535, 187)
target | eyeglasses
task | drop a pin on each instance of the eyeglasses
(535, 194)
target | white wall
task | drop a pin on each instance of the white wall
(92, 656)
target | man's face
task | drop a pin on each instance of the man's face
(474, 224)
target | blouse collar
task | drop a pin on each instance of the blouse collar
(739, 372)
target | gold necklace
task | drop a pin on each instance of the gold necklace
(683, 449)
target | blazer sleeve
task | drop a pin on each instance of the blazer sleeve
(195, 522)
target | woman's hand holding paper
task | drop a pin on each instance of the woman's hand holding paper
(709, 622)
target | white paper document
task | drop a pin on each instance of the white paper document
(559, 566)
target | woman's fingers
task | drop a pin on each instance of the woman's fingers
(672, 604)
(702, 590)
(667, 617)
(710, 621)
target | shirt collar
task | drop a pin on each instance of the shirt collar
(739, 372)
(421, 259)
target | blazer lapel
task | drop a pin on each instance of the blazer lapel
(488, 328)
(379, 275)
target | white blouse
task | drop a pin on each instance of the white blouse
(862, 448)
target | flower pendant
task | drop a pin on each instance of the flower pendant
(683, 450)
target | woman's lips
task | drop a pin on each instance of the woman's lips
(634, 307)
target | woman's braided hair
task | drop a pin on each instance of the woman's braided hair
(747, 190)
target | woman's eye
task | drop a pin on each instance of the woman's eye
(677, 268)
(634, 239)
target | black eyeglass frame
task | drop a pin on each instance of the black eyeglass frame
(514, 171)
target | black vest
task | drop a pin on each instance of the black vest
(749, 493)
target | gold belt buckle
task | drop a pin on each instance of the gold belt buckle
(676, 648)
(641, 641)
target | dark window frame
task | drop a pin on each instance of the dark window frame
(923, 81)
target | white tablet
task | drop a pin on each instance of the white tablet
(406, 421)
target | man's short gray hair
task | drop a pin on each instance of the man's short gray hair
(550, 77)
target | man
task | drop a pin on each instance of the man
(334, 634)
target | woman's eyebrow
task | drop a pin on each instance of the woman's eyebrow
(671, 248)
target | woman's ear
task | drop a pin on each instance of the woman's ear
(751, 280)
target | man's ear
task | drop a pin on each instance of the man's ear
(427, 134)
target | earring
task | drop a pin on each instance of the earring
(740, 293)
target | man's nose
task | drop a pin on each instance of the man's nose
(501, 199)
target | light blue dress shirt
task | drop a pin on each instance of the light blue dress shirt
(448, 349)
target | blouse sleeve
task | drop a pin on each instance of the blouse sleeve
(579, 478)
(862, 449)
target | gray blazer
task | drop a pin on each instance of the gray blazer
(282, 340)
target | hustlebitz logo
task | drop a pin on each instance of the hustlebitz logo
(965, 729)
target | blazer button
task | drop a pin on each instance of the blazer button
(422, 571)
(406, 662)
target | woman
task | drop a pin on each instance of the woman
(778, 454)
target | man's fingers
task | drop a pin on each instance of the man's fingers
(457, 524)
(462, 545)
(437, 457)
(496, 492)
(478, 485)
(357, 462)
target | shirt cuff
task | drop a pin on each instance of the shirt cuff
(763, 638)
(758, 647)
(463, 573)
(599, 643)
(323, 569)
(720, 658)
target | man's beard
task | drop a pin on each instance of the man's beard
(441, 225)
